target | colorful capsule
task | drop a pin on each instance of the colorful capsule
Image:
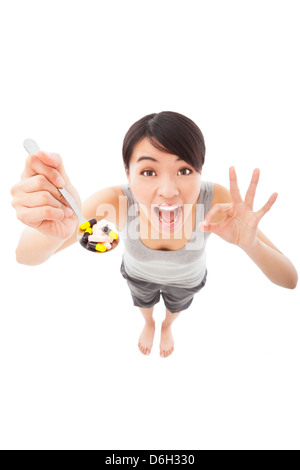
(88, 224)
(92, 246)
(83, 241)
(110, 232)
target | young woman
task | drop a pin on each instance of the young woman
(164, 214)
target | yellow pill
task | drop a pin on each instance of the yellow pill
(113, 235)
(89, 230)
(85, 225)
(100, 247)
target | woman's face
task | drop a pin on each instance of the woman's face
(165, 186)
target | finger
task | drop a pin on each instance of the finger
(55, 161)
(34, 166)
(40, 183)
(234, 190)
(267, 206)
(249, 198)
(207, 225)
(48, 158)
(216, 209)
(36, 215)
(38, 199)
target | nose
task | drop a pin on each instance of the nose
(167, 188)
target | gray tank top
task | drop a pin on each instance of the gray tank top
(181, 268)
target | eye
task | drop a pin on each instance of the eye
(147, 171)
(188, 169)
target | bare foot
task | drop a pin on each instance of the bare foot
(166, 342)
(146, 338)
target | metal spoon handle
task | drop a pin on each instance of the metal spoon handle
(32, 147)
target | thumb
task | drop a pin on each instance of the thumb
(205, 226)
(55, 161)
(210, 227)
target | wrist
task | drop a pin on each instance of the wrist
(252, 248)
(34, 247)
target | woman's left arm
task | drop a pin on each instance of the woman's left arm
(237, 223)
(274, 264)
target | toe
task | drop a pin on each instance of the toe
(169, 352)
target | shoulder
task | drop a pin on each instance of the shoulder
(118, 190)
(221, 195)
(109, 203)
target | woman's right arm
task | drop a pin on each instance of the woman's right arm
(35, 248)
(41, 207)
(51, 224)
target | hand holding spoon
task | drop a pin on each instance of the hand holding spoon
(89, 231)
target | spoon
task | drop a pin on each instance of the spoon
(98, 230)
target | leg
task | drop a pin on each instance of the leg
(167, 341)
(147, 335)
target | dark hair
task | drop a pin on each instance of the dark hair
(169, 132)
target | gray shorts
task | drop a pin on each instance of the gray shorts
(145, 294)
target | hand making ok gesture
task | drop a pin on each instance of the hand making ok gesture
(240, 222)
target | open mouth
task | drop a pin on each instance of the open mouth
(168, 217)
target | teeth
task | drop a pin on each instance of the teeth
(177, 213)
(168, 208)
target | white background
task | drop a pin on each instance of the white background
(74, 76)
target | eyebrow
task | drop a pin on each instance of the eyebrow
(144, 157)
